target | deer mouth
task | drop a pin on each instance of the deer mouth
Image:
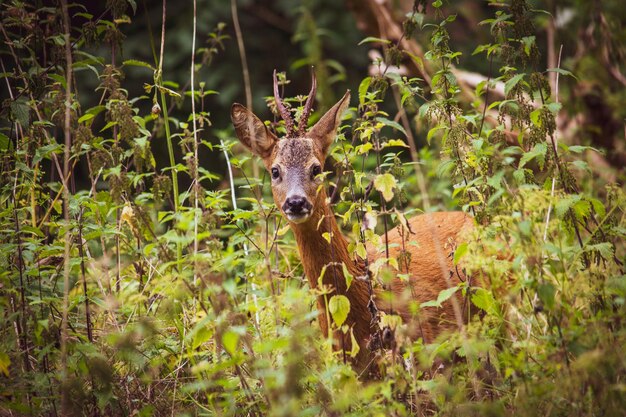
(299, 217)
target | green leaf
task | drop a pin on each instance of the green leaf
(385, 183)
(371, 39)
(201, 332)
(395, 142)
(510, 84)
(534, 117)
(528, 42)
(598, 207)
(546, 292)
(391, 123)
(45, 151)
(562, 72)
(459, 252)
(484, 300)
(4, 142)
(605, 249)
(138, 63)
(363, 87)
(230, 340)
(361, 251)
(34, 230)
(355, 345)
(91, 113)
(5, 363)
(339, 307)
(554, 107)
(538, 153)
(20, 111)
(443, 296)
(565, 204)
(347, 275)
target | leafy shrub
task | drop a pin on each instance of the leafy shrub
(125, 291)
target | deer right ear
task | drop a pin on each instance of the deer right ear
(252, 132)
(325, 129)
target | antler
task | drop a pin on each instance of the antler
(284, 113)
(308, 106)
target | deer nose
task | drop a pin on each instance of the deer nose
(296, 205)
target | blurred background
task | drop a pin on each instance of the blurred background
(291, 36)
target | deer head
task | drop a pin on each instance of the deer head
(295, 161)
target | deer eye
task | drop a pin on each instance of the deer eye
(317, 170)
(275, 173)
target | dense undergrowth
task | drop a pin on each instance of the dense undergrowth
(131, 295)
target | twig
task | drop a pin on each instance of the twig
(233, 197)
(242, 54)
(244, 67)
(196, 182)
(65, 400)
(555, 141)
(166, 125)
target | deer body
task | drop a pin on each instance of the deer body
(295, 164)
(425, 270)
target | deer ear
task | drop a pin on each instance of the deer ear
(324, 131)
(252, 132)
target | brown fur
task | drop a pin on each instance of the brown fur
(430, 240)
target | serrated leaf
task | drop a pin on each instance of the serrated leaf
(538, 152)
(20, 111)
(563, 205)
(484, 300)
(385, 183)
(339, 307)
(554, 107)
(598, 207)
(605, 249)
(510, 84)
(562, 72)
(45, 151)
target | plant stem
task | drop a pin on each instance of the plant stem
(65, 400)
(168, 135)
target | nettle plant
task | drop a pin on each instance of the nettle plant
(123, 294)
(543, 236)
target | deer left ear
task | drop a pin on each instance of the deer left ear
(252, 132)
(324, 131)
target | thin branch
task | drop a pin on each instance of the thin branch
(242, 54)
(555, 141)
(65, 400)
(196, 182)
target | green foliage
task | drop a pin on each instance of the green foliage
(179, 302)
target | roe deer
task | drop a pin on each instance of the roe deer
(294, 164)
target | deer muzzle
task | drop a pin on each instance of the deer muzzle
(297, 208)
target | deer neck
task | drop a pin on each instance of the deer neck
(317, 252)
